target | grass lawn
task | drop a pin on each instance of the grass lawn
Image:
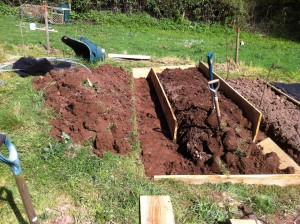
(67, 182)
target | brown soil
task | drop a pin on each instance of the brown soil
(100, 113)
(159, 154)
(281, 118)
(97, 107)
(229, 149)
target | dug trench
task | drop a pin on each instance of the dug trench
(98, 108)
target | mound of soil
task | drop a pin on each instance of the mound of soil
(281, 118)
(212, 150)
(87, 106)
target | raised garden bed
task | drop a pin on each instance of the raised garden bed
(281, 116)
(190, 163)
(97, 108)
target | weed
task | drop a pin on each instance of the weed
(66, 138)
(112, 126)
(240, 153)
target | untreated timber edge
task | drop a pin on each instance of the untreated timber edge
(252, 114)
(259, 179)
(165, 104)
(144, 71)
(285, 161)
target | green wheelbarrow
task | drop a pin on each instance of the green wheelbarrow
(14, 163)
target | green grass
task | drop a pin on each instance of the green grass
(68, 181)
(177, 41)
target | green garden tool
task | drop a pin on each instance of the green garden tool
(14, 163)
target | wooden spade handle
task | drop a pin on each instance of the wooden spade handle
(213, 81)
(33, 219)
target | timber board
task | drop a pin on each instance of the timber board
(156, 210)
(165, 104)
(144, 72)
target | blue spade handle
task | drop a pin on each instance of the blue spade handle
(13, 158)
(209, 61)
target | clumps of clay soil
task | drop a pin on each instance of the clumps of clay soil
(228, 149)
(93, 107)
(281, 118)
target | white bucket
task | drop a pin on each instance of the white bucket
(32, 26)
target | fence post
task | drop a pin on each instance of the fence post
(47, 29)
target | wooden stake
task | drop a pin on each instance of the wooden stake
(227, 54)
(47, 29)
(237, 45)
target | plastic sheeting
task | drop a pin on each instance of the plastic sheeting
(292, 89)
(32, 66)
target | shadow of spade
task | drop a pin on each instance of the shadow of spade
(7, 195)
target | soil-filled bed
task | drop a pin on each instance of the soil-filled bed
(213, 150)
(93, 107)
(281, 118)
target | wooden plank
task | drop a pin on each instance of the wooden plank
(285, 160)
(283, 93)
(165, 104)
(128, 56)
(156, 210)
(245, 221)
(50, 30)
(144, 71)
(259, 179)
(252, 114)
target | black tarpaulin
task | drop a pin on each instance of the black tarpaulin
(27, 66)
(292, 89)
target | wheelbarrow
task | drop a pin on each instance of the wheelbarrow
(14, 163)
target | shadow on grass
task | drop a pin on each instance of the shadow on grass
(7, 195)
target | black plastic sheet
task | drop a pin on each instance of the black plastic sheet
(292, 89)
(32, 66)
